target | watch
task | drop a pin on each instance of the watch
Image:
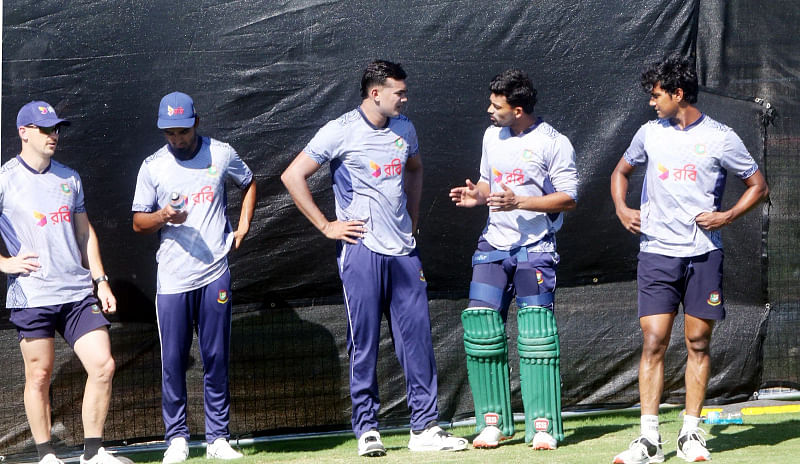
(102, 278)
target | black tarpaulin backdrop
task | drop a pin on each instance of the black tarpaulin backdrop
(266, 76)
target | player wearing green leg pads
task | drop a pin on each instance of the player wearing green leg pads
(540, 379)
(487, 367)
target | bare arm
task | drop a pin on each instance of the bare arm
(90, 257)
(412, 184)
(756, 192)
(507, 200)
(246, 216)
(295, 178)
(630, 218)
(148, 223)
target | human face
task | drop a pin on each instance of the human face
(43, 140)
(182, 140)
(665, 103)
(391, 96)
(500, 111)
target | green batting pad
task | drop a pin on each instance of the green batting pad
(540, 379)
(487, 368)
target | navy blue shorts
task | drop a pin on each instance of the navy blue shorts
(665, 282)
(72, 320)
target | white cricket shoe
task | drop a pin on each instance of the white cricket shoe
(221, 449)
(50, 458)
(102, 457)
(435, 439)
(641, 451)
(178, 451)
(490, 437)
(692, 446)
(370, 444)
(543, 441)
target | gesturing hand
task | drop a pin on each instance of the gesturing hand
(505, 200)
(466, 196)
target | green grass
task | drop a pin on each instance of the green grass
(596, 439)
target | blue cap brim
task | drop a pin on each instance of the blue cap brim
(175, 123)
(51, 122)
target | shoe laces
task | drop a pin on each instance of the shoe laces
(694, 435)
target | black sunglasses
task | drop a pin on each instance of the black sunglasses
(46, 130)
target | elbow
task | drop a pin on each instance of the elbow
(764, 193)
(286, 178)
(571, 205)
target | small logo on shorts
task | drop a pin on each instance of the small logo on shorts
(223, 296)
(491, 418)
(714, 298)
(95, 309)
(65, 189)
(421, 276)
(539, 277)
(541, 424)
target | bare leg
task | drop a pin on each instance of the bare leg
(39, 356)
(94, 351)
(698, 364)
(656, 330)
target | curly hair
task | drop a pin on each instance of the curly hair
(672, 73)
(376, 74)
(516, 87)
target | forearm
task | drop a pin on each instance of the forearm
(413, 188)
(752, 196)
(301, 195)
(92, 256)
(619, 190)
(248, 207)
(148, 223)
(552, 203)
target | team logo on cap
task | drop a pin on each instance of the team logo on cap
(539, 277)
(541, 424)
(376, 169)
(173, 111)
(421, 276)
(491, 418)
(95, 309)
(40, 218)
(212, 171)
(46, 109)
(222, 297)
(714, 298)
(65, 188)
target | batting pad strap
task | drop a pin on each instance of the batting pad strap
(493, 256)
(485, 292)
(542, 299)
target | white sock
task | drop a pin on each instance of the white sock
(690, 423)
(649, 427)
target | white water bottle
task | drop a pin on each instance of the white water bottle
(176, 201)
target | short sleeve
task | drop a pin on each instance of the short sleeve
(636, 155)
(323, 147)
(561, 170)
(144, 199)
(736, 158)
(238, 171)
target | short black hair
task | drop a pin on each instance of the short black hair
(376, 74)
(516, 87)
(673, 72)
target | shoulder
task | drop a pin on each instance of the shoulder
(217, 146)
(62, 168)
(548, 131)
(713, 124)
(160, 154)
(492, 132)
(345, 120)
(9, 166)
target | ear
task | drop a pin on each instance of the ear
(373, 92)
(196, 121)
(518, 111)
(678, 95)
(23, 133)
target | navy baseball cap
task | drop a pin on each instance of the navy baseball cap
(40, 114)
(176, 110)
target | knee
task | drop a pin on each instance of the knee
(654, 345)
(38, 378)
(698, 345)
(103, 371)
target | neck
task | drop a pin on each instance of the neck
(523, 122)
(373, 116)
(35, 160)
(687, 115)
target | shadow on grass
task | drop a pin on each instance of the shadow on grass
(302, 445)
(731, 437)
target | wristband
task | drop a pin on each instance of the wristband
(102, 278)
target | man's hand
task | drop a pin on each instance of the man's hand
(106, 297)
(713, 220)
(169, 214)
(467, 196)
(349, 231)
(630, 219)
(503, 201)
(238, 237)
(21, 264)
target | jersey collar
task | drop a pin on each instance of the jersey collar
(24, 164)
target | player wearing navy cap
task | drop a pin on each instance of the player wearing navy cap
(686, 156)
(54, 257)
(180, 193)
(527, 179)
(376, 173)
